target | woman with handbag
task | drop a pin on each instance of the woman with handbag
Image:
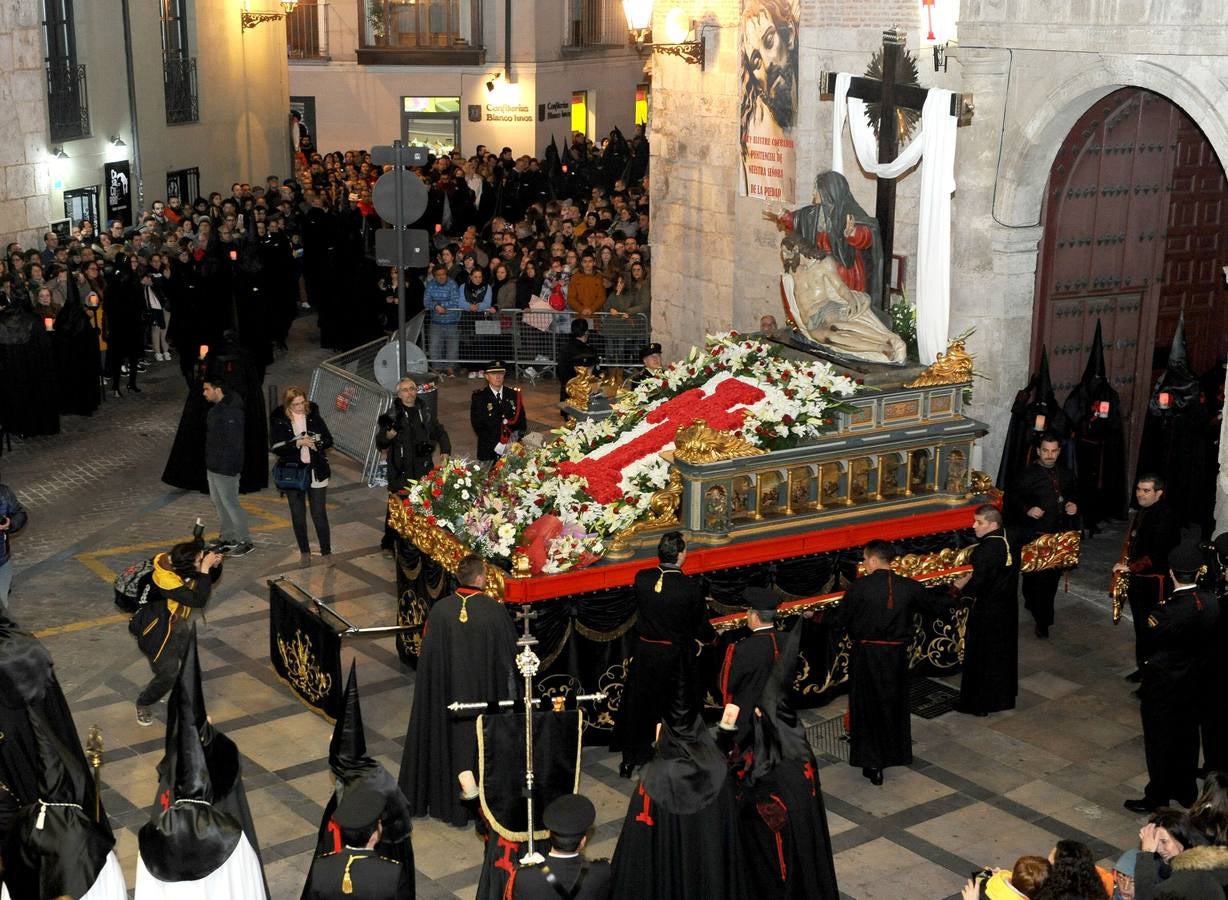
(300, 437)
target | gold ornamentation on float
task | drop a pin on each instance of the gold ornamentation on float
(944, 642)
(1051, 551)
(582, 387)
(697, 443)
(521, 567)
(662, 512)
(980, 483)
(952, 367)
(301, 668)
(928, 566)
(440, 544)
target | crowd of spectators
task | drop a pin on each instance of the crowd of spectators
(507, 230)
(1180, 854)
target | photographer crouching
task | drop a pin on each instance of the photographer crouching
(182, 582)
(410, 433)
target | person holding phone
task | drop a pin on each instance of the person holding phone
(12, 520)
(300, 434)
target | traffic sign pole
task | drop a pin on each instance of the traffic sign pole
(397, 152)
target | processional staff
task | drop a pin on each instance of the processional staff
(527, 662)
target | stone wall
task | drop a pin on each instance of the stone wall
(1032, 66)
(24, 153)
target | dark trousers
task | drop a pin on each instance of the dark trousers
(1146, 591)
(299, 501)
(1170, 743)
(166, 666)
(1039, 589)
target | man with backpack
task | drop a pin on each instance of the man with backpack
(182, 581)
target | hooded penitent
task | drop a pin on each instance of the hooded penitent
(1093, 411)
(56, 847)
(1034, 401)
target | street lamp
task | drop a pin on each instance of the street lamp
(252, 19)
(639, 25)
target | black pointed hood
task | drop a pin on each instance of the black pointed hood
(1183, 389)
(777, 734)
(1095, 370)
(189, 838)
(348, 759)
(688, 770)
(54, 847)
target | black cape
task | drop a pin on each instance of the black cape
(1036, 399)
(680, 837)
(78, 359)
(185, 466)
(1099, 441)
(991, 637)
(785, 840)
(460, 661)
(1175, 444)
(29, 395)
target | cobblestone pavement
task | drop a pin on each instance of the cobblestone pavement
(981, 791)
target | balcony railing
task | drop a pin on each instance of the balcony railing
(438, 32)
(67, 101)
(593, 23)
(307, 32)
(179, 80)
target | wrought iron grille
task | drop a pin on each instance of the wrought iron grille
(179, 81)
(67, 100)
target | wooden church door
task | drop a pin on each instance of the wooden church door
(1134, 233)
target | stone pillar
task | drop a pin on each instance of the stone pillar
(24, 150)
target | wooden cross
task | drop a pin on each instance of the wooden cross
(891, 96)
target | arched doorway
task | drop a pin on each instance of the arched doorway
(1134, 216)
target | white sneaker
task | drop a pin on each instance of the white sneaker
(473, 374)
(158, 357)
(123, 369)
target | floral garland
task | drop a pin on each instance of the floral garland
(773, 402)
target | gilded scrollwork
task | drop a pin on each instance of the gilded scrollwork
(952, 367)
(301, 668)
(1051, 551)
(662, 511)
(697, 443)
(943, 646)
(439, 543)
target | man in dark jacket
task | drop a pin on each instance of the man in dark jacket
(1042, 497)
(410, 433)
(223, 462)
(12, 520)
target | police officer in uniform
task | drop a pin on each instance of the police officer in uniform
(1176, 637)
(566, 873)
(748, 664)
(357, 872)
(496, 413)
(650, 356)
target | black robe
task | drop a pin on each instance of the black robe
(371, 877)
(185, 466)
(1154, 531)
(680, 837)
(991, 637)
(460, 661)
(877, 610)
(78, 359)
(29, 396)
(744, 674)
(668, 623)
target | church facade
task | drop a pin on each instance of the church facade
(1129, 231)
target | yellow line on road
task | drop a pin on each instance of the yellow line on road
(81, 626)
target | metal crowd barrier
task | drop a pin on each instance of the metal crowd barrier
(351, 400)
(531, 339)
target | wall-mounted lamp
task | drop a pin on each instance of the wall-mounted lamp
(252, 19)
(58, 153)
(490, 84)
(639, 24)
(117, 141)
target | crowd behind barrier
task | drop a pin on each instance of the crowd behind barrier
(112, 299)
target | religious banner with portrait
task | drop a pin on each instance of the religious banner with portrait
(304, 648)
(118, 176)
(768, 50)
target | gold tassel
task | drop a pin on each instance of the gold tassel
(347, 883)
(1009, 561)
(660, 583)
(464, 613)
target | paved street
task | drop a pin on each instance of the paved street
(982, 791)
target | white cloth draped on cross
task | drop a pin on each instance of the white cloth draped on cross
(934, 147)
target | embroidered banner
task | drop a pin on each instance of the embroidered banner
(305, 649)
(767, 106)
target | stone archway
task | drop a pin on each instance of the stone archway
(1042, 118)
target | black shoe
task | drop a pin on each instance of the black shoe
(625, 769)
(134, 389)
(1141, 805)
(1042, 631)
(875, 775)
(242, 549)
(1136, 676)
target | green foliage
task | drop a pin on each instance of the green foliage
(904, 323)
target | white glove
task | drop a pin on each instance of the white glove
(499, 448)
